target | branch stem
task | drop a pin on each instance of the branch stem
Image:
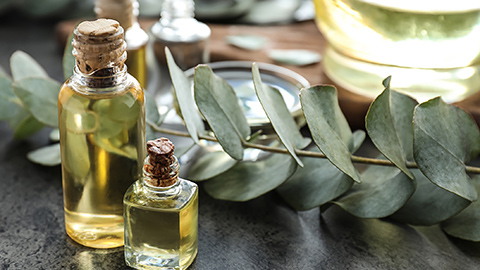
(302, 153)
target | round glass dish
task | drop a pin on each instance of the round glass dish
(239, 75)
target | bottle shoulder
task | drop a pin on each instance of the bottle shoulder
(139, 195)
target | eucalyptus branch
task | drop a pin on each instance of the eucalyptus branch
(302, 153)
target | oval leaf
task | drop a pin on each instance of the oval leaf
(382, 192)
(46, 156)
(8, 101)
(385, 127)
(54, 135)
(429, 204)
(68, 60)
(282, 121)
(24, 124)
(465, 224)
(295, 57)
(209, 165)
(219, 105)
(247, 42)
(23, 66)
(329, 128)
(248, 180)
(39, 95)
(183, 90)
(445, 137)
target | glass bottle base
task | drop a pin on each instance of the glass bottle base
(95, 231)
(366, 78)
(158, 259)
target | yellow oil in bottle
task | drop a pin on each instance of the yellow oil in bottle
(102, 138)
(429, 47)
(137, 66)
(161, 233)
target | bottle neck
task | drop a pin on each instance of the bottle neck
(104, 78)
(160, 178)
(176, 9)
(123, 11)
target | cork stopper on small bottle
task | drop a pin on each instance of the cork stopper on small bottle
(124, 11)
(160, 161)
(99, 46)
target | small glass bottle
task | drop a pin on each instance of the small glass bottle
(102, 135)
(178, 30)
(161, 213)
(126, 13)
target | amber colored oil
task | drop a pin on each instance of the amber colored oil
(161, 233)
(137, 64)
(102, 138)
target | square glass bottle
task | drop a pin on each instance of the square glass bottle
(161, 213)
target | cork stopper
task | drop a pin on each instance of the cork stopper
(162, 166)
(123, 11)
(99, 46)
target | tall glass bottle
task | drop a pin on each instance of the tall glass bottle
(186, 37)
(126, 13)
(102, 135)
(161, 213)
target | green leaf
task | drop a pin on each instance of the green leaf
(382, 192)
(209, 165)
(329, 128)
(248, 180)
(54, 135)
(465, 225)
(318, 182)
(429, 204)
(219, 105)
(151, 116)
(39, 95)
(23, 66)
(295, 57)
(9, 103)
(247, 42)
(24, 124)
(68, 58)
(46, 156)
(186, 102)
(386, 128)
(445, 137)
(279, 115)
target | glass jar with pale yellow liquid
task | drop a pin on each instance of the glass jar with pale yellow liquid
(429, 47)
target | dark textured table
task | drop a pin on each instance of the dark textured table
(260, 234)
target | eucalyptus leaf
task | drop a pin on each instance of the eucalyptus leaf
(24, 124)
(39, 95)
(219, 105)
(209, 165)
(295, 57)
(383, 191)
(46, 156)
(9, 103)
(151, 116)
(429, 204)
(386, 128)
(248, 180)
(445, 137)
(68, 58)
(247, 42)
(318, 182)
(54, 135)
(329, 128)
(279, 115)
(23, 66)
(186, 102)
(465, 225)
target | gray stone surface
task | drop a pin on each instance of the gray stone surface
(260, 234)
